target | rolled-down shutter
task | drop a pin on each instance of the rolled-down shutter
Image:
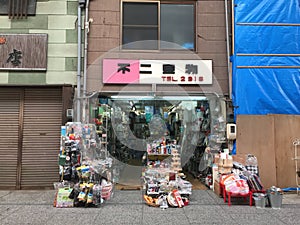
(41, 137)
(9, 136)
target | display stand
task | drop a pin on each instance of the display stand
(164, 185)
(85, 174)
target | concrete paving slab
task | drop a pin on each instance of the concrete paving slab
(207, 214)
(291, 219)
(245, 209)
(125, 209)
(290, 198)
(21, 197)
(128, 197)
(284, 212)
(46, 197)
(203, 209)
(79, 219)
(3, 193)
(216, 198)
(113, 218)
(157, 210)
(165, 218)
(75, 210)
(201, 197)
(33, 214)
(256, 219)
(201, 218)
(6, 210)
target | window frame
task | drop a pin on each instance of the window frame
(159, 2)
(15, 11)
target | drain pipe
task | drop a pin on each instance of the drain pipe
(86, 31)
(228, 50)
(78, 99)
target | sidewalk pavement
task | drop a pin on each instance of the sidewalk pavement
(127, 207)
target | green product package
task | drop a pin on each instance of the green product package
(62, 198)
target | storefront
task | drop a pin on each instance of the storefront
(161, 74)
(130, 123)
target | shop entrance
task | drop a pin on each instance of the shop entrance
(136, 123)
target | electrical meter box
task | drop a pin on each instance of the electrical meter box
(231, 131)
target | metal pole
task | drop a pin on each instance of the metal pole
(228, 50)
(85, 115)
(86, 31)
(78, 105)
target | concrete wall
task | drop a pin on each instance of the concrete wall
(57, 19)
(104, 42)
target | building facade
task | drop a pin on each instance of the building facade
(37, 78)
(188, 55)
(206, 33)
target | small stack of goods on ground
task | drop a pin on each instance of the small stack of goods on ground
(233, 179)
(164, 182)
(85, 169)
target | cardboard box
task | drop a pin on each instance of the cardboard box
(217, 189)
(239, 158)
(224, 170)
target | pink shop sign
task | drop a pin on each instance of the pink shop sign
(126, 71)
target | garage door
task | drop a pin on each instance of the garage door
(9, 136)
(41, 137)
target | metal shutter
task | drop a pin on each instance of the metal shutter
(41, 137)
(9, 136)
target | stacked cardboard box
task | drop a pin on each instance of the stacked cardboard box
(225, 163)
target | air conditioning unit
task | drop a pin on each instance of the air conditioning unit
(70, 113)
(231, 131)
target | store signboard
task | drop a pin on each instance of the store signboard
(23, 52)
(128, 71)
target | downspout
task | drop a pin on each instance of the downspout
(228, 50)
(86, 31)
(78, 99)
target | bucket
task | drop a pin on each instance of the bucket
(260, 200)
(275, 200)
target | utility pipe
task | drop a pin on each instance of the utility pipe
(86, 31)
(228, 50)
(85, 107)
(78, 100)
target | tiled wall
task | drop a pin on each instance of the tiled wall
(59, 20)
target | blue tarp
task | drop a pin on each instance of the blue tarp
(266, 59)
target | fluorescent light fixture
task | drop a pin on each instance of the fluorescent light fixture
(173, 98)
(134, 97)
(184, 98)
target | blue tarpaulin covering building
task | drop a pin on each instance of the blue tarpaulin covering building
(266, 57)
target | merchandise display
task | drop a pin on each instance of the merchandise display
(164, 183)
(86, 177)
(233, 179)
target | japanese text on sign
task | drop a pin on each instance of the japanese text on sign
(157, 71)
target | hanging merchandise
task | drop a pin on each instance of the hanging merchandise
(86, 178)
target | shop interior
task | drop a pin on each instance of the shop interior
(128, 124)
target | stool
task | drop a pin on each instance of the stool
(230, 194)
